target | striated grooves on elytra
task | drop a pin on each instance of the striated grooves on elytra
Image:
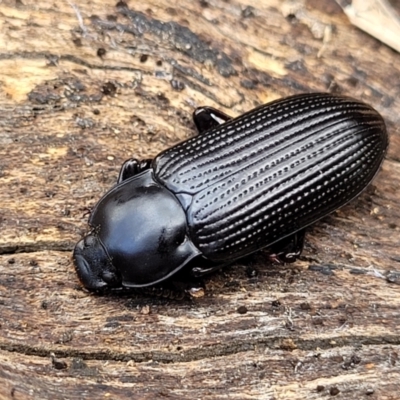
(252, 235)
(264, 212)
(273, 164)
(272, 185)
(216, 141)
(282, 166)
(278, 175)
(208, 158)
(267, 214)
(282, 189)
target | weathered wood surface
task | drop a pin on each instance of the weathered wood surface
(85, 85)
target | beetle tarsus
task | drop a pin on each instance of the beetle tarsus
(206, 118)
(132, 167)
(201, 267)
(288, 250)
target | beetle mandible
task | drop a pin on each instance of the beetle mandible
(240, 185)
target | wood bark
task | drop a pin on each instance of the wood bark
(85, 85)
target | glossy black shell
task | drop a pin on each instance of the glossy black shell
(272, 171)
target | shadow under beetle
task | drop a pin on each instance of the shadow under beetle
(241, 185)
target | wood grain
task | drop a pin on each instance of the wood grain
(85, 85)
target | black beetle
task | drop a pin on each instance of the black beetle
(241, 185)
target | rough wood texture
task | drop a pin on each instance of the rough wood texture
(85, 86)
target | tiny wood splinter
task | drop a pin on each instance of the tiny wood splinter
(241, 185)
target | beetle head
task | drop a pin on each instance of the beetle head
(93, 265)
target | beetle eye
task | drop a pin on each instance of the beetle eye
(181, 237)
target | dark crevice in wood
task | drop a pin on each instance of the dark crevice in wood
(67, 57)
(218, 350)
(36, 247)
(180, 37)
(78, 61)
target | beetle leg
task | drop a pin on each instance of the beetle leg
(206, 118)
(132, 167)
(204, 267)
(184, 281)
(193, 288)
(288, 249)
